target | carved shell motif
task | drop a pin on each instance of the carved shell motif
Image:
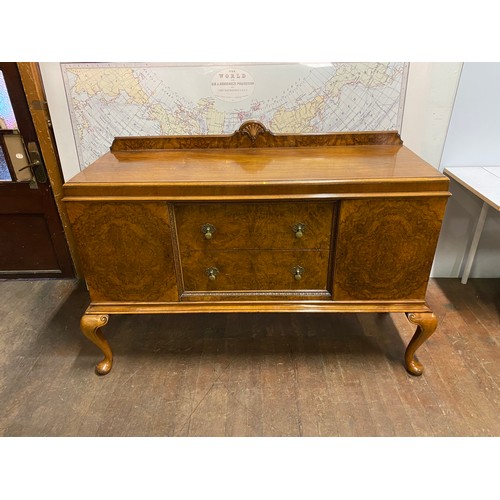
(252, 129)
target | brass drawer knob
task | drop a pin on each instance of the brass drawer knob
(298, 272)
(208, 231)
(211, 272)
(299, 229)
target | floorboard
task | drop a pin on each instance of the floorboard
(248, 374)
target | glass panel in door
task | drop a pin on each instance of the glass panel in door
(8, 126)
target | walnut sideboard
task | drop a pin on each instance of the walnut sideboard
(257, 222)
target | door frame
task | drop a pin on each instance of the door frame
(35, 96)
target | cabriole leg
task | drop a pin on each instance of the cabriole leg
(426, 324)
(91, 328)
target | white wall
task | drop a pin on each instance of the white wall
(59, 114)
(474, 132)
(473, 139)
(429, 102)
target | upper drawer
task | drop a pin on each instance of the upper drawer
(279, 225)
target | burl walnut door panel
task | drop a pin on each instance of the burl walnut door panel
(126, 250)
(385, 247)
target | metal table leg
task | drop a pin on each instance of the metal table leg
(475, 242)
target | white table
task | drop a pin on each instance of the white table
(485, 183)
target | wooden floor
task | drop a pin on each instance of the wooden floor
(248, 375)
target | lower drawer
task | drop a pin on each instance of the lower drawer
(255, 270)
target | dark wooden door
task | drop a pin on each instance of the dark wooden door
(32, 240)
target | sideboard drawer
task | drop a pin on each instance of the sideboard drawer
(278, 225)
(255, 270)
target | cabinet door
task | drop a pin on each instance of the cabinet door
(385, 247)
(126, 250)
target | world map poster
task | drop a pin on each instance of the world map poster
(108, 100)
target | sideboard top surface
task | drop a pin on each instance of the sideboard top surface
(378, 167)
